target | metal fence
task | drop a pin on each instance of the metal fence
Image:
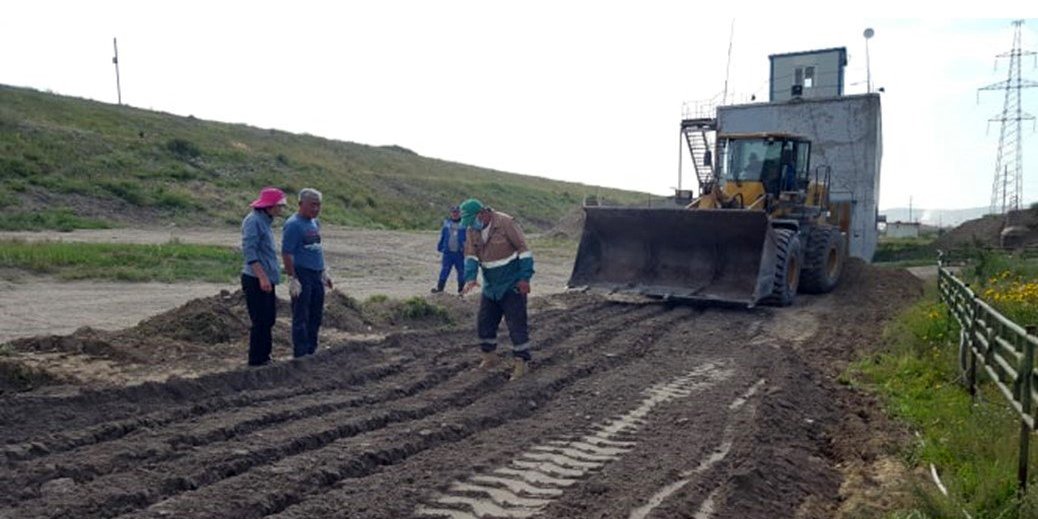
(1002, 348)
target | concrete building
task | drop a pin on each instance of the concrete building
(846, 135)
(902, 230)
(810, 74)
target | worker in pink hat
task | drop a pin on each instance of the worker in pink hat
(260, 272)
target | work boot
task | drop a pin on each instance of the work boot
(439, 288)
(489, 360)
(518, 369)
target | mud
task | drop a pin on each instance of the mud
(630, 410)
(205, 335)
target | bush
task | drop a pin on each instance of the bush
(16, 168)
(183, 149)
(128, 191)
(172, 199)
(418, 308)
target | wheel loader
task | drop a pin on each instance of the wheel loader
(762, 229)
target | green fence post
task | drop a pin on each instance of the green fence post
(1026, 368)
(970, 331)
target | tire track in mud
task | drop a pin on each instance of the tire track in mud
(84, 465)
(167, 444)
(114, 430)
(313, 368)
(118, 410)
(244, 459)
(474, 404)
(529, 482)
(579, 364)
(707, 506)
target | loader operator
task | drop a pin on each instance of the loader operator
(496, 245)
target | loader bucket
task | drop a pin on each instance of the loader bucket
(716, 255)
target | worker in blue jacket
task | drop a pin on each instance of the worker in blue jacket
(452, 249)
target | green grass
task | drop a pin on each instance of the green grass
(902, 250)
(418, 308)
(974, 447)
(54, 219)
(124, 262)
(138, 166)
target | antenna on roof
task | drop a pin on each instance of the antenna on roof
(869, 33)
(728, 67)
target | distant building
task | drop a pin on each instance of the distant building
(809, 74)
(902, 229)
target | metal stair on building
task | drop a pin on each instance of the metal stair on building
(696, 136)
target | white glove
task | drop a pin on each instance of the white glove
(326, 280)
(295, 288)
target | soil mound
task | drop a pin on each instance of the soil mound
(1014, 229)
(209, 333)
(15, 377)
(344, 313)
(208, 320)
(983, 231)
(85, 340)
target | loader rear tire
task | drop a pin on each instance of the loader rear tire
(823, 260)
(787, 269)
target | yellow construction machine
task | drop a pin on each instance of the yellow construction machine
(762, 229)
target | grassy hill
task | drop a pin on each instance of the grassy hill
(70, 163)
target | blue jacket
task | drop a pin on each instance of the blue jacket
(445, 236)
(257, 245)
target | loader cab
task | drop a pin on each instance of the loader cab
(778, 162)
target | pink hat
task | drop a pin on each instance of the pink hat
(269, 197)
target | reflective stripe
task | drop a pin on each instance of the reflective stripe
(527, 254)
(473, 258)
(521, 347)
(488, 342)
(501, 262)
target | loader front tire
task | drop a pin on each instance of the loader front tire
(787, 268)
(823, 260)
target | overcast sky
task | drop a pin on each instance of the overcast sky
(588, 92)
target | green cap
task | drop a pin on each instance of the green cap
(469, 208)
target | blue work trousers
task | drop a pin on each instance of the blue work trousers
(307, 312)
(456, 261)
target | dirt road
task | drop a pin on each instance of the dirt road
(630, 410)
(366, 263)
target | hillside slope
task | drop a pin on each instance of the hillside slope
(122, 165)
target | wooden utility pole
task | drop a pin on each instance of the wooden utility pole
(115, 60)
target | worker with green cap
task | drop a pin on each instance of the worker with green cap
(496, 244)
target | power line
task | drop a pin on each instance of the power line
(1007, 186)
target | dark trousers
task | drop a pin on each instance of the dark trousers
(513, 308)
(452, 260)
(307, 312)
(262, 312)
